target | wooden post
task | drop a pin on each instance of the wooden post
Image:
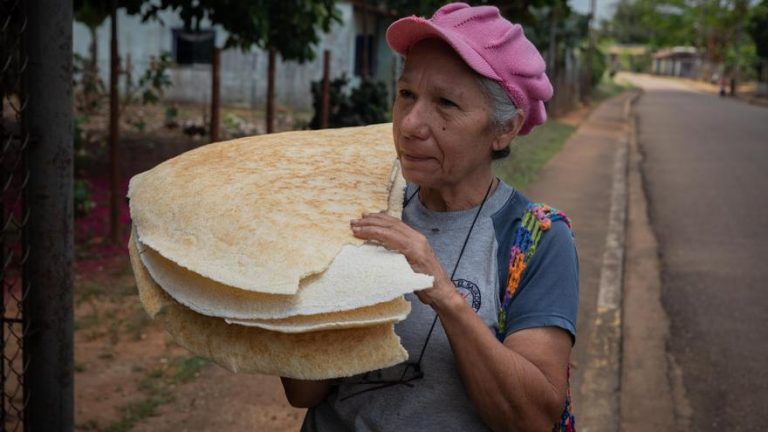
(271, 92)
(591, 51)
(215, 95)
(326, 107)
(114, 116)
(364, 52)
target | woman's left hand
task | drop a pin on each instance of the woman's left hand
(394, 234)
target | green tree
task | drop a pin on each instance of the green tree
(716, 27)
(657, 23)
(757, 27)
(289, 28)
(517, 11)
(719, 25)
(368, 103)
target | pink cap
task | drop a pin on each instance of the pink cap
(491, 45)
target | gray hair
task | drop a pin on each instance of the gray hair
(502, 109)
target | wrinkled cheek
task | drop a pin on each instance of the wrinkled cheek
(423, 174)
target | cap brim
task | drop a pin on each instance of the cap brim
(405, 32)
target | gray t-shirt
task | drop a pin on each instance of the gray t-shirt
(438, 401)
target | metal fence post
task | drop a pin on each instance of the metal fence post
(14, 143)
(48, 305)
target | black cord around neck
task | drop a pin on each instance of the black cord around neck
(453, 273)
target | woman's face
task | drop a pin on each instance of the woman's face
(441, 118)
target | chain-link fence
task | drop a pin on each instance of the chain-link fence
(14, 175)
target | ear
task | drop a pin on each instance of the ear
(503, 139)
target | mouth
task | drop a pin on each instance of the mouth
(415, 158)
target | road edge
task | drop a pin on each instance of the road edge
(652, 395)
(602, 374)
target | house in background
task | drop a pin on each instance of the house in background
(244, 74)
(678, 61)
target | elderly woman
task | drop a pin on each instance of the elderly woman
(489, 343)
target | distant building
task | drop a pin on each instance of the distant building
(633, 58)
(677, 61)
(244, 74)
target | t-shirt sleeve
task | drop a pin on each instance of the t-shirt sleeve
(548, 294)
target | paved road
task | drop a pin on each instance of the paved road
(706, 174)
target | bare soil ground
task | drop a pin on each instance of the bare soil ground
(131, 376)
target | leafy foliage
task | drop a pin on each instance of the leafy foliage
(89, 90)
(757, 27)
(155, 79)
(366, 104)
(83, 203)
(288, 26)
(572, 28)
(658, 23)
(517, 11)
(93, 12)
(719, 26)
(716, 27)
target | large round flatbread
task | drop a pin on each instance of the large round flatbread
(261, 213)
(312, 356)
(383, 313)
(359, 276)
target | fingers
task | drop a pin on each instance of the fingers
(394, 234)
(389, 238)
(389, 231)
(384, 221)
(379, 219)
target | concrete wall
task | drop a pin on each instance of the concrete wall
(677, 66)
(243, 74)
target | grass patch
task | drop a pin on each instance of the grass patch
(135, 412)
(137, 322)
(530, 153)
(187, 368)
(88, 291)
(157, 387)
(87, 322)
(608, 88)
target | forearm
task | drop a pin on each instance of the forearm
(509, 392)
(305, 394)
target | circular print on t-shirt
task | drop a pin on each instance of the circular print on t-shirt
(470, 292)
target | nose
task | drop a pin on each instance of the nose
(414, 122)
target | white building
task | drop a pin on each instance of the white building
(244, 74)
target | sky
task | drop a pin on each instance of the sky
(605, 8)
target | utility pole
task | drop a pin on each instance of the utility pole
(215, 93)
(271, 90)
(114, 118)
(325, 108)
(552, 51)
(591, 51)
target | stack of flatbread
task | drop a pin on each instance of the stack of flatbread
(243, 250)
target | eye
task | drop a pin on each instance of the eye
(447, 103)
(406, 94)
